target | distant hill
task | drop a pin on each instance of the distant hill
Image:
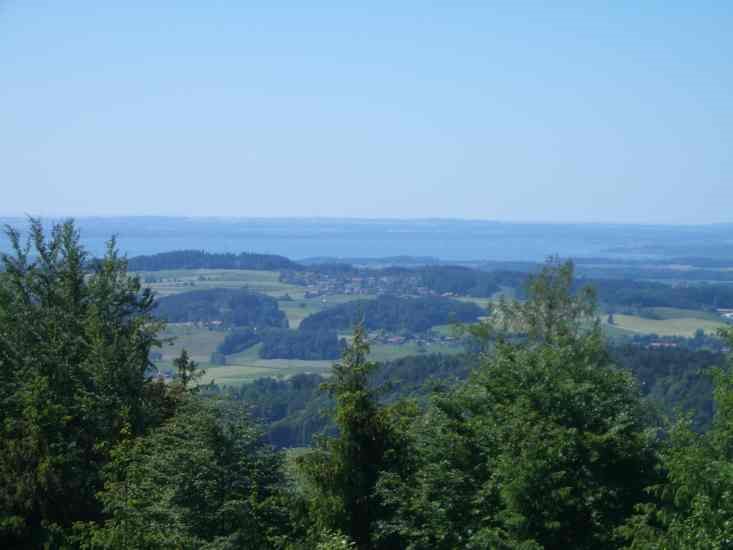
(393, 314)
(199, 259)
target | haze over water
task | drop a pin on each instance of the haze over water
(443, 239)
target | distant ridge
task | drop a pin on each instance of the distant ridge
(199, 259)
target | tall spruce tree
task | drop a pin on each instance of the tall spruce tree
(342, 472)
(75, 338)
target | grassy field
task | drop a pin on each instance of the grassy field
(165, 283)
(247, 366)
(676, 326)
(445, 330)
(390, 352)
(613, 331)
(261, 368)
(298, 309)
(676, 313)
(199, 342)
(240, 368)
(481, 302)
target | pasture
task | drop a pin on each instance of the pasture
(175, 281)
(674, 326)
(262, 368)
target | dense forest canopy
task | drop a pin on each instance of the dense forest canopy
(671, 380)
(394, 314)
(292, 409)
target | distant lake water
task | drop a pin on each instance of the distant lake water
(444, 239)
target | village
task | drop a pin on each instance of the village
(327, 284)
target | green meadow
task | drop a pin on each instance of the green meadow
(673, 326)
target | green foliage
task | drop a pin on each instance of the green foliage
(552, 315)
(626, 292)
(237, 308)
(285, 343)
(331, 540)
(74, 348)
(341, 473)
(544, 447)
(300, 344)
(673, 379)
(458, 280)
(545, 444)
(202, 480)
(187, 372)
(198, 259)
(694, 503)
(238, 339)
(394, 314)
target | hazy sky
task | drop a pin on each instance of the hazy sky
(551, 111)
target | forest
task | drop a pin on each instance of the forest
(236, 308)
(394, 314)
(197, 259)
(545, 440)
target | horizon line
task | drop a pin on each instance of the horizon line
(111, 217)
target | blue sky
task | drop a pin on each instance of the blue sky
(517, 111)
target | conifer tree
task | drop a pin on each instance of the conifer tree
(75, 338)
(544, 447)
(342, 472)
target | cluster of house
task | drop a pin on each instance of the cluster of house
(661, 345)
(424, 339)
(325, 284)
(210, 324)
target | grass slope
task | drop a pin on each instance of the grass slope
(685, 326)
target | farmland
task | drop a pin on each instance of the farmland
(176, 281)
(674, 326)
(246, 366)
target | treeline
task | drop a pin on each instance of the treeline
(458, 280)
(547, 443)
(674, 380)
(291, 410)
(626, 291)
(394, 314)
(284, 343)
(231, 307)
(671, 380)
(199, 259)
(629, 293)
